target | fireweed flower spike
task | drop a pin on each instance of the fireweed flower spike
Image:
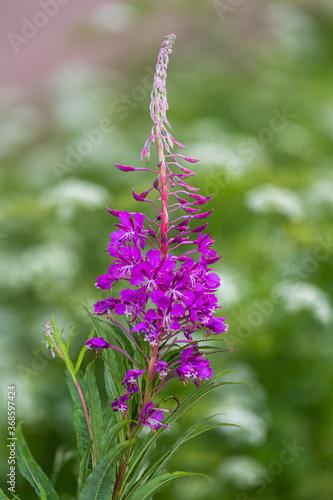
(167, 266)
(158, 310)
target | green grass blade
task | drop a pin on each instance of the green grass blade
(31, 470)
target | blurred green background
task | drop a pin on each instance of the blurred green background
(250, 94)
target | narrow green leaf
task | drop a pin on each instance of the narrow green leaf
(93, 319)
(31, 470)
(111, 434)
(120, 336)
(69, 338)
(80, 422)
(191, 398)
(110, 385)
(42, 493)
(109, 418)
(149, 489)
(64, 351)
(99, 485)
(84, 468)
(82, 352)
(191, 432)
(80, 358)
(93, 402)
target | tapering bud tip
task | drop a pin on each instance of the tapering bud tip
(125, 168)
(136, 196)
(115, 213)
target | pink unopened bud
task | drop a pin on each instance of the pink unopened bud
(186, 170)
(145, 193)
(204, 215)
(212, 260)
(136, 196)
(185, 222)
(143, 153)
(152, 233)
(181, 200)
(191, 210)
(177, 239)
(115, 213)
(177, 143)
(200, 228)
(201, 200)
(190, 160)
(155, 184)
(181, 228)
(190, 188)
(125, 168)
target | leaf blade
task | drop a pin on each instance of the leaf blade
(147, 490)
(93, 401)
(99, 485)
(31, 470)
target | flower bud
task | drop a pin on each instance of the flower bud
(143, 153)
(116, 213)
(204, 215)
(136, 196)
(152, 233)
(200, 228)
(191, 210)
(125, 168)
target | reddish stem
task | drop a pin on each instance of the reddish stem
(87, 418)
(164, 195)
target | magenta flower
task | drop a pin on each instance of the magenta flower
(131, 381)
(152, 418)
(162, 368)
(97, 343)
(120, 404)
(194, 367)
